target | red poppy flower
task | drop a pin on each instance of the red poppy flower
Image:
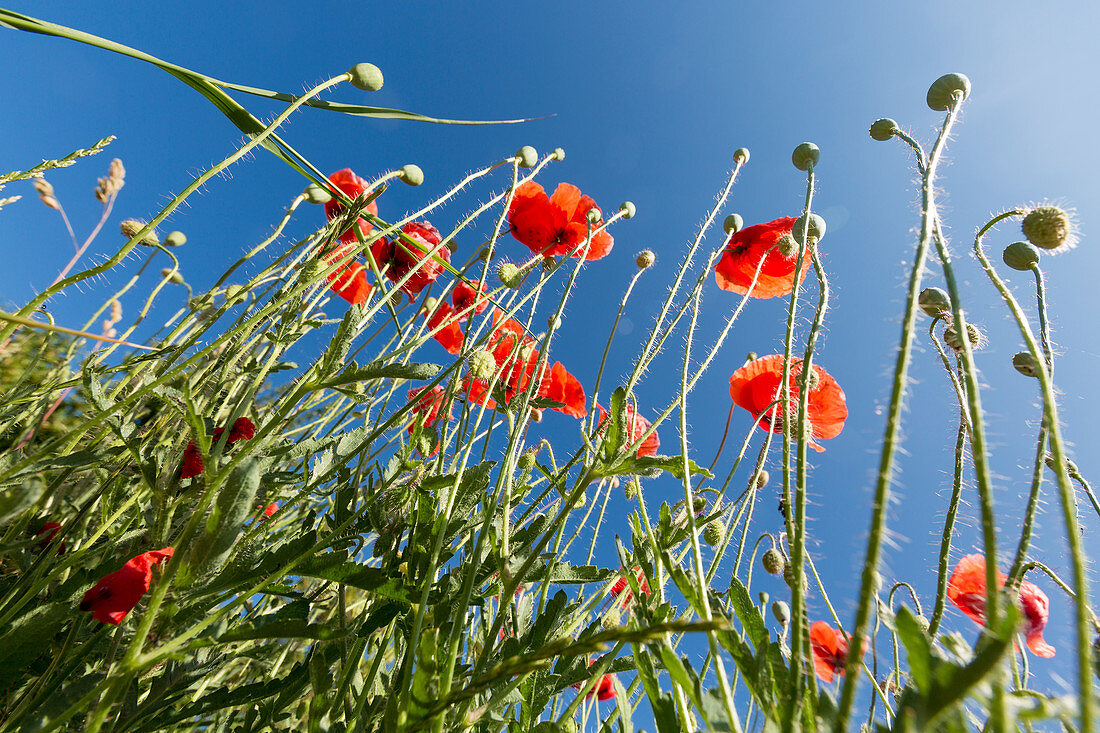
(756, 386)
(744, 251)
(271, 508)
(604, 689)
(192, 461)
(638, 426)
(555, 225)
(242, 429)
(966, 589)
(469, 299)
(622, 585)
(352, 186)
(115, 595)
(448, 333)
(830, 650)
(48, 531)
(404, 258)
(429, 403)
(349, 281)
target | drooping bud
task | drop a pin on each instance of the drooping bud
(782, 612)
(944, 89)
(549, 264)
(773, 562)
(553, 323)
(234, 293)
(367, 77)
(974, 336)
(1021, 256)
(741, 155)
(699, 503)
(412, 175)
(482, 365)
(175, 239)
(1049, 227)
(510, 275)
(628, 209)
(1026, 364)
(805, 156)
(816, 229)
(316, 195)
(131, 227)
(527, 156)
(630, 489)
(645, 259)
(733, 224)
(934, 302)
(883, 129)
(788, 578)
(172, 275)
(762, 479)
(527, 458)
(712, 533)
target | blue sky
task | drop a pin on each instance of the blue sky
(649, 101)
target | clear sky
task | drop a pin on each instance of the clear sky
(649, 100)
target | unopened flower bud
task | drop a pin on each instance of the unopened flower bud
(411, 174)
(559, 154)
(549, 263)
(172, 275)
(645, 259)
(699, 503)
(883, 129)
(712, 533)
(630, 489)
(316, 195)
(805, 156)
(786, 245)
(975, 336)
(1021, 256)
(815, 230)
(234, 293)
(1026, 364)
(430, 304)
(510, 275)
(1048, 227)
(131, 227)
(788, 578)
(763, 597)
(751, 356)
(762, 479)
(934, 302)
(527, 156)
(483, 365)
(943, 91)
(527, 458)
(553, 323)
(741, 155)
(595, 216)
(175, 239)
(773, 562)
(733, 224)
(628, 209)
(367, 77)
(782, 612)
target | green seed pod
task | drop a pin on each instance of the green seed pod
(559, 153)
(412, 175)
(528, 157)
(944, 89)
(733, 223)
(805, 156)
(367, 77)
(786, 245)
(628, 209)
(1026, 364)
(510, 275)
(317, 195)
(712, 533)
(816, 229)
(175, 239)
(483, 365)
(1021, 256)
(595, 216)
(934, 302)
(1048, 227)
(773, 562)
(782, 612)
(645, 259)
(883, 129)
(741, 155)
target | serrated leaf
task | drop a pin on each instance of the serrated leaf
(918, 648)
(748, 614)
(376, 370)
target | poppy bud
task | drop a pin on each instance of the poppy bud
(366, 76)
(1021, 256)
(628, 209)
(788, 578)
(630, 490)
(733, 224)
(815, 230)
(510, 275)
(805, 156)
(527, 157)
(430, 304)
(1026, 364)
(482, 365)
(699, 503)
(782, 612)
(762, 479)
(944, 89)
(527, 459)
(645, 259)
(549, 263)
(773, 562)
(741, 155)
(786, 246)
(976, 337)
(412, 175)
(612, 619)
(234, 293)
(595, 216)
(131, 227)
(175, 239)
(317, 195)
(553, 322)
(1071, 467)
(171, 275)
(712, 533)
(934, 302)
(1048, 227)
(883, 129)
(559, 154)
